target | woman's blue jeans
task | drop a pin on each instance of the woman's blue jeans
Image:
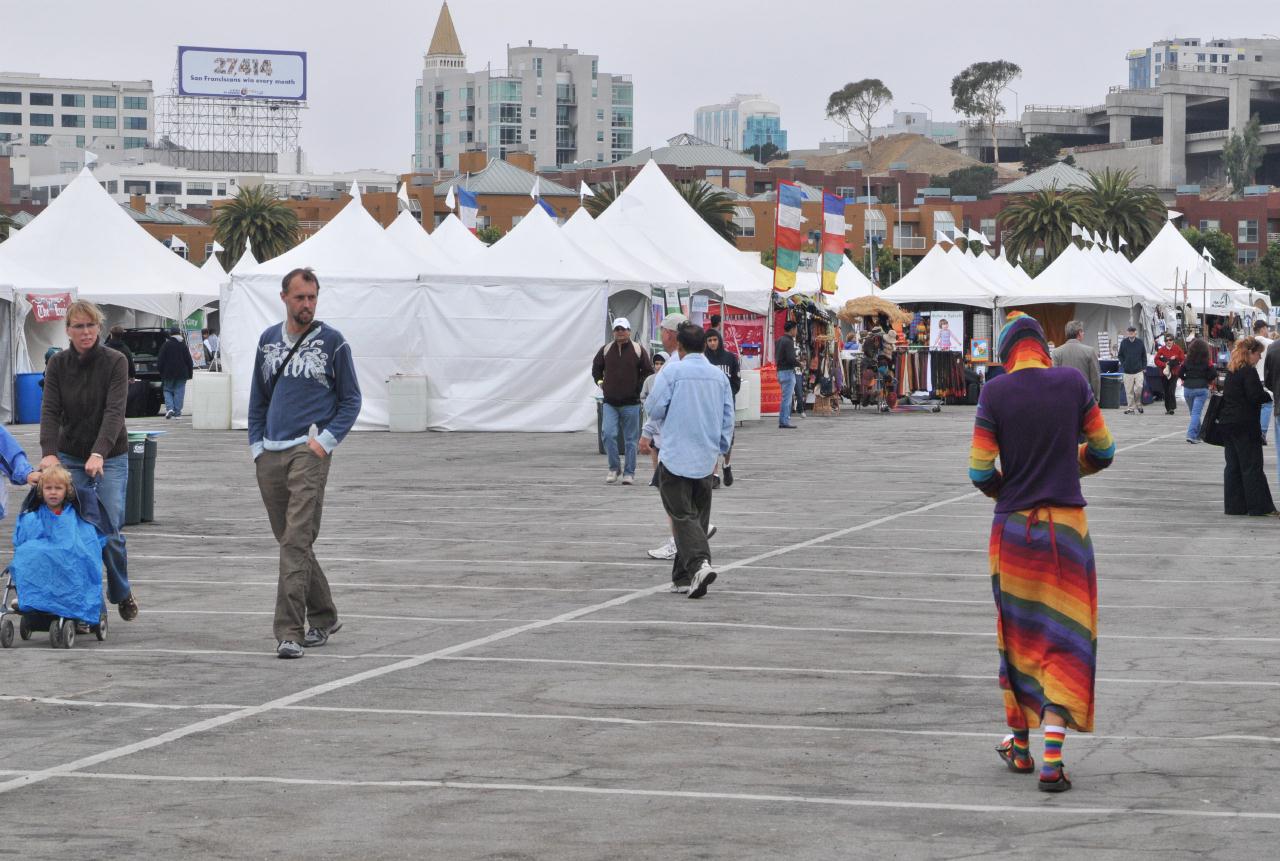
(111, 492)
(1196, 399)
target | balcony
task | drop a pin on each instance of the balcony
(908, 243)
(1273, 239)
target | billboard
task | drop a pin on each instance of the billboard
(242, 74)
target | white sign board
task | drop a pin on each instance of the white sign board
(242, 74)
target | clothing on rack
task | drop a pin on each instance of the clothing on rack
(947, 374)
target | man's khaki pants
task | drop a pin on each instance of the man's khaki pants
(292, 484)
(1133, 390)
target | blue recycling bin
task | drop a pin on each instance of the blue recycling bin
(30, 397)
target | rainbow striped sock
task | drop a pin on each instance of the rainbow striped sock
(1021, 744)
(1053, 738)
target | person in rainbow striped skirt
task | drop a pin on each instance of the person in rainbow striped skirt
(1042, 568)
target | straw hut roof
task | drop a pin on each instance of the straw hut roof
(872, 306)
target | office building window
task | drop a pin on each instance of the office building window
(539, 93)
(1207, 224)
(112, 186)
(80, 141)
(42, 120)
(448, 117)
(533, 112)
(7, 98)
(10, 119)
(135, 103)
(537, 66)
(222, 189)
(101, 122)
(70, 100)
(600, 115)
(714, 173)
(745, 218)
(135, 143)
(533, 134)
(104, 102)
(874, 226)
(737, 173)
(45, 99)
(73, 121)
(987, 227)
(1247, 232)
(39, 140)
(595, 69)
(1246, 256)
(168, 187)
(600, 137)
(943, 220)
(137, 186)
(135, 123)
(200, 189)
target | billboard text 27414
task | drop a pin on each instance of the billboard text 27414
(242, 74)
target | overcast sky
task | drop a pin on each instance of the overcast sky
(365, 57)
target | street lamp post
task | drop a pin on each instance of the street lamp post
(1016, 111)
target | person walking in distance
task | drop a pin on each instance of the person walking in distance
(653, 430)
(1198, 376)
(693, 401)
(728, 362)
(1260, 332)
(620, 369)
(303, 376)
(1271, 374)
(1075, 353)
(784, 353)
(175, 367)
(1133, 363)
(1244, 479)
(1042, 567)
(1169, 359)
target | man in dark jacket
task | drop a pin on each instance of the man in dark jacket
(620, 369)
(1133, 362)
(784, 354)
(116, 342)
(726, 361)
(175, 366)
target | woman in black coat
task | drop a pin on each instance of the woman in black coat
(1244, 482)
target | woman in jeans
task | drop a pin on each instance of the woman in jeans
(82, 427)
(1198, 376)
(1244, 483)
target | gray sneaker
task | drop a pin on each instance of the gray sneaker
(317, 637)
(289, 649)
(705, 576)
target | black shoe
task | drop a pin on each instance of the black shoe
(653, 482)
(786, 427)
(1139, 410)
(728, 475)
(715, 482)
(317, 637)
(128, 608)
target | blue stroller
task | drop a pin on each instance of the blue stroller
(55, 579)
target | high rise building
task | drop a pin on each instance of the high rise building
(554, 103)
(741, 123)
(40, 111)
(1193, 55)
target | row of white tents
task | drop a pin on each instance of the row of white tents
(502, 333)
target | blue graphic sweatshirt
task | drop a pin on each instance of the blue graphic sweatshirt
(319, 387)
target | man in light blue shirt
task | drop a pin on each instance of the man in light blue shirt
(693, 401)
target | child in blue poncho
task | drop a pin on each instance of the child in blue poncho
(57, 556)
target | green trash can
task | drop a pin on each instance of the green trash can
(133, 489)
(149, 479)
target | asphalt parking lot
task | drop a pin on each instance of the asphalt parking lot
(513, 681)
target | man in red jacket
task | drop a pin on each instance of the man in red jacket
(1169, 359)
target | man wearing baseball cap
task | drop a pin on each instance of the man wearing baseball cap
(620, 369)
(1133, 362)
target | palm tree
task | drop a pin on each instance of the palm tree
(256, 214)
(713, 206)
(1043, 219)
(1117, 207)
(605, 194)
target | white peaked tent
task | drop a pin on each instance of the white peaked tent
(1170, 261)
(246, 262)
(86, 240)
(212, 270)
(406, 232)
(940, 278)
(368, 290)
(651, 207)
(20, 336)
(538, 248)
(582, 231)
(451, 237)
(850, 284)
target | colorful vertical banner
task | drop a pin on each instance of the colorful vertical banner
(468, 209)
(833, 229)
(786, 237)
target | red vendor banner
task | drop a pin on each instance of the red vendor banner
(49, 306)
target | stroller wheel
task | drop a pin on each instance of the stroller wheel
(24, 628)
(100, 630)
(55, 634)
(68, 638)
(6, 632)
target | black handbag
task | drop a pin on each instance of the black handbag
(1210, 431)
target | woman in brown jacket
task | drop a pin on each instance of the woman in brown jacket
(82, 427)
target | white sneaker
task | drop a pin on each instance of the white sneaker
(666, 551)
(676, 589)
(711, 531)
(611, 477)
(705, 577)
(628, 479)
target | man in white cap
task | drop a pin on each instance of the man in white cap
(620, 369)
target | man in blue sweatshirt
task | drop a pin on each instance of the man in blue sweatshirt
(303, 378)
